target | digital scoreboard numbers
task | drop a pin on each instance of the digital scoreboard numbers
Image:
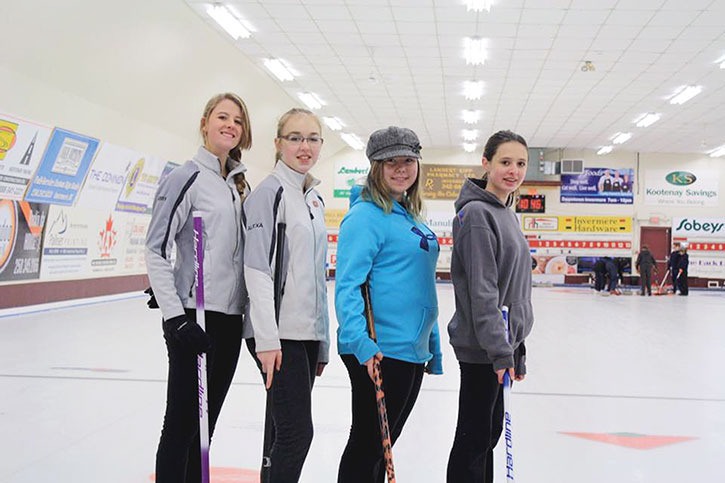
(531, 204)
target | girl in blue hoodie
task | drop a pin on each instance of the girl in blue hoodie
(382, 242)
(490, 268)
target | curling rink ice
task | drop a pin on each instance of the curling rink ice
(620, 389)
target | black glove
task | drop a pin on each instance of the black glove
(188, 333)
(152, 303)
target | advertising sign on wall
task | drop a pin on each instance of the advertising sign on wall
(443, 181)
(346, 175)
(21, 230)
(21, 147)
(698, 228)
(681, 188)
(64, 166)
(577, 224)
(142, 179)
(598, 185)
(106, 177)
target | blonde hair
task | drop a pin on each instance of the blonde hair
(377, 191)
(245, 140)
(286, 117)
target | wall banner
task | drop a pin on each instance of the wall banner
(681, 188)
(577, 224)
(598, 185)
(63, 168)
(21, 230)
(21, 147)
(347, 173)
(444, 181)
(698, 228)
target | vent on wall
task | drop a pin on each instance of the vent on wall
(572, 166)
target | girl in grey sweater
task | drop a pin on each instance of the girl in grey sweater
(490, 268)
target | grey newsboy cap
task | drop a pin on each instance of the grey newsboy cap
(391, 142)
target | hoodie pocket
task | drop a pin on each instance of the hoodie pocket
(428, 318)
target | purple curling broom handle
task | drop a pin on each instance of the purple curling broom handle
(201, 358)
(508, 430)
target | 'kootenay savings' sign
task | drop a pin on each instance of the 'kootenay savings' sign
(681, 188)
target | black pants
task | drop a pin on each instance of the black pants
(645, 280)
(288, 423)
(682, 285)
(178, 456)
(480, 421)
(362, 460)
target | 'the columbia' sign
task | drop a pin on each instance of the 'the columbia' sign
(698, 228)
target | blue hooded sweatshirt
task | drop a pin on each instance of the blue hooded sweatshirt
(398, 256)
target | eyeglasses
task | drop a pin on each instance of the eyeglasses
(394, 163)
(296, 139)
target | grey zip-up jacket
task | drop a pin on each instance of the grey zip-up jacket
(197, 185)
(287, 197)
(490, 268)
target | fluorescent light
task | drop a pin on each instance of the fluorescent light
(472, 90)
(646, 120)
(722, 64)
(469, 147)
(228, 21)
(311, 100)
(280, 69)
(353, 141)
(470, 134)
(717, 152)
(685, 93)
(621, 137)
(605, 149)
(474, 50)
(479, 5)
(471, 117)
(333, 123)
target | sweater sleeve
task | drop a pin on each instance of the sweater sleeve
(258, 263)
(360, 239)
(478, 247)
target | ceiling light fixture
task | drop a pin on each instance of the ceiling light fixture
(311, 100)
(469, 147)
(333, 123)
(646, 120)
(472, 90)
(717, 152)
(353, 141)
(470, 134)
(478, 5)
(474, 50)
(621, 137)
(280, 69)
(226, 20)
(684, 94)
(605, 150)
(471, 117)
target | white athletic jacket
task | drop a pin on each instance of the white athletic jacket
(287, 197)
(197, 185)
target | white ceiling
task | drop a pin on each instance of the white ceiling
(382, 62)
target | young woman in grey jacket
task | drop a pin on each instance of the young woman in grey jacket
(284, 265)
(490, 268)
(204, 184)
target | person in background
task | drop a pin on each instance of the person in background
(673, 263)
(202, 185)
(683, 262)
(644, 264)
(490, 268)
(383, 242)
(284, 265)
